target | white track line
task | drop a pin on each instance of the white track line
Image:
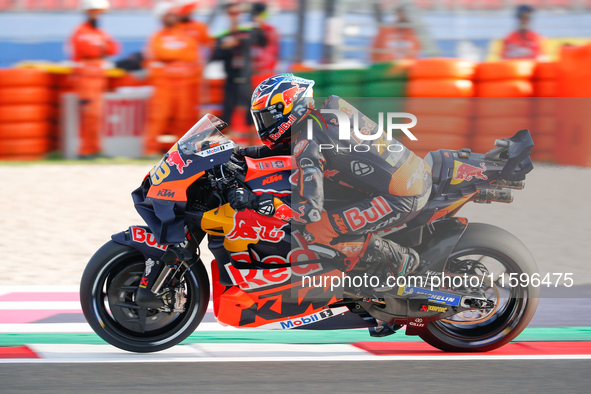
(91, 360)
(40, 305)
(39, 289)
(84, 328)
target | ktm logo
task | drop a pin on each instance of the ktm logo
(272, 178)
(165, 193)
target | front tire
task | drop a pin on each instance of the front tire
(509, 319)
(107, 292)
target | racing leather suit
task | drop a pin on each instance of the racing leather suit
(389, 185)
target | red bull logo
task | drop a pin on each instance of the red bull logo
(466, 172)
(330, 173)
(174, 159)
(265, 229)
(287, 97)
(284, 212)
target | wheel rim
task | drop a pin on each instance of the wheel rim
(113, 303)
(510, 303)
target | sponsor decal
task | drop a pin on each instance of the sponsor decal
(165, 193)
(266, 165)
(266, 229)
(306, 162)
(299, 148)
(417, 322)
(140, 235)
(211, 151)
(149, 264)
(357, 219)
(159, 173)
(272, 178)
(174, 159)
(361, 169)
(330, 173)
(465, 172)
(144, 283)
(288, 96)
(418, 174)
(422, 201)
(338, 220)
(284, 212)
(434, 296)
(395, 157)
(257, 278)
(306, 319)
(283, 127)
(432, 308)
(314, 215)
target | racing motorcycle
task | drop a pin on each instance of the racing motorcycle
(147, 289)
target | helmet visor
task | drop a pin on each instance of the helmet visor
(265, 119)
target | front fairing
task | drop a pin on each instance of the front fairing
(162, 197)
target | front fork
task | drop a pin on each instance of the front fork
(157, 274)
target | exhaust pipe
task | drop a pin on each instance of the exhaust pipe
(486, 196)
(503, 183)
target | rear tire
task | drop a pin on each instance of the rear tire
(507, 322)
(113, 273)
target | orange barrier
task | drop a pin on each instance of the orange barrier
(440, 88)
(35, 147)
(504, 69)
(461, 106)
(24, 77)
(24, 130)
(432, 142)
(26, 98)
(503, 127)
(26, 95)
(506, 106)
(440, 92)
(507, 88)
(442, 68)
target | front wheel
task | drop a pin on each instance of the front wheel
(483, 330)
(107, 295)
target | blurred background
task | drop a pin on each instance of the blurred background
(106, 78)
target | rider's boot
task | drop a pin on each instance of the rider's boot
(389, 258)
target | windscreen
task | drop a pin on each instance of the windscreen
(204, 135)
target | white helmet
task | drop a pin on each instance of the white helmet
(163, 7)
(94, 5)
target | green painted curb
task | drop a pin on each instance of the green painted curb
(293, 336)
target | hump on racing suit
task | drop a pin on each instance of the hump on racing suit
(379, 166)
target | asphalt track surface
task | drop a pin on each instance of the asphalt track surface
(316, 376)
(542, 376)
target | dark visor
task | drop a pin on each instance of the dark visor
(264, 119)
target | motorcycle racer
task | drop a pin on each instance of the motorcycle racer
(396, 185)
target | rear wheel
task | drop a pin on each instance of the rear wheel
(107, 295)
(484, 330)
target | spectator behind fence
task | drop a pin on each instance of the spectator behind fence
(89, 46)
(265, 58)
(396, 42)
(171, 56)
(234, 48)
(523, 43)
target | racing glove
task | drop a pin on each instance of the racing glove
(241, 199)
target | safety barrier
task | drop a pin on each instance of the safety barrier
(439, 93)
(25, 113)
